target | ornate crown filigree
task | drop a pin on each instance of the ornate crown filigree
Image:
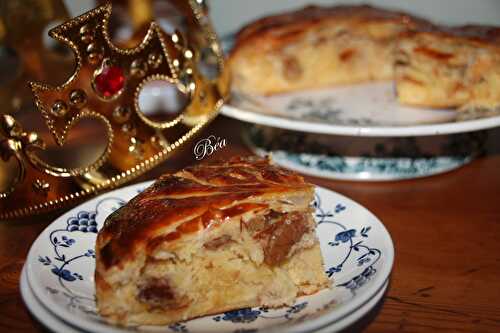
(105, 88)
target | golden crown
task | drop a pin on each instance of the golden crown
(105, 88)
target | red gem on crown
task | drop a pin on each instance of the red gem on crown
(110, 81)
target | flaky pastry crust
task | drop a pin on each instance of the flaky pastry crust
(210, 238)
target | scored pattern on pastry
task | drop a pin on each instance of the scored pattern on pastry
(207, 239)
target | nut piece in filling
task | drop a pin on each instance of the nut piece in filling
(208, 239)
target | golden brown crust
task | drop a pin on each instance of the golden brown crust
(317, 47)
(449, 67)
(197, 195)
(279, 29)
(210, 238)
(480, 34)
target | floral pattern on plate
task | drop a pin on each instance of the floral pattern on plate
(367, 110)
(338, 157)
(357, 251)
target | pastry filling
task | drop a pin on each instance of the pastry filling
(209, 239)
(275, 232)
(157, 292)
(218, 242)
(278, 232)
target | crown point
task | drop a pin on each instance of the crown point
(110, 81)
(105, 88)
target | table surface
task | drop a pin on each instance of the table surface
(445, 229)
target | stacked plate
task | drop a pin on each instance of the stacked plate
(57, 282)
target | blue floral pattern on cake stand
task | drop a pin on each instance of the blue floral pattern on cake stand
(365, 158)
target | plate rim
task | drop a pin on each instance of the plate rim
(360, 131)
(40, 313)
(317, 323)
(355, 177)
(371, 291)
(358, 313)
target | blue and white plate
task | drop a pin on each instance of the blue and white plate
(365, 159)
(42, 314)
(369, 109)
(357, 249)
(364, 110)
(56, 325)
